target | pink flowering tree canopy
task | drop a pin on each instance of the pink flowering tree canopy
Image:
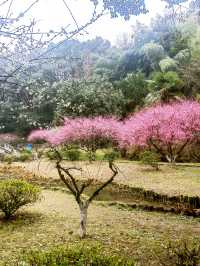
(166, 128)
(87, 133)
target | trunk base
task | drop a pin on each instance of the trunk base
(83, 220)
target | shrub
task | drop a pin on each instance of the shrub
(22, 157)
(111, 156)
(15, 194)
(154, 52)
(8, 158)
(73, 256)
(26, 150)
(73, 154)
(51, 154)
(168, 64)
(25, 156)
(181, 253)
(133, 154)
(150, 158)
(183, 57)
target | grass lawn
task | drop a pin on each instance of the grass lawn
(171, 180)
(55, 220)
(136, 233)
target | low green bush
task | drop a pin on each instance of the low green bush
(8, 158)
(73, 256)
(132, 154)
(150, 158)
(26, 151)
(16, 193)
(111, 156)
(51, 154)
(22, 157)
(73, 155)
(25, 156)
(67, 154)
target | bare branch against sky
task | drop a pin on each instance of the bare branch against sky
(22, 43)
(28, 26)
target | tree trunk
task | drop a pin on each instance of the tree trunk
(83, 219)
(171, 159)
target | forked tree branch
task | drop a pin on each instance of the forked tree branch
(72, 185)
(156, 147)
(67, 171)
(115, 172)
(65, 181)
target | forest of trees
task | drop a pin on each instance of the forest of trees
(155, 63)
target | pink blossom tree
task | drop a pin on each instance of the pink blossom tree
(87, 133)
(166, 128)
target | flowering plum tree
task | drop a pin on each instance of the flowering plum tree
(167, 128)
(90, 134)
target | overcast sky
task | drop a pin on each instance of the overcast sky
(52, 14)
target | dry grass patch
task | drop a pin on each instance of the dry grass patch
(171, 180)
(55, 220)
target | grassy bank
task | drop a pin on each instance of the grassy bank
(55, 220)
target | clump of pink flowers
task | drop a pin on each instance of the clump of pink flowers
(167, 128)
(80, 130)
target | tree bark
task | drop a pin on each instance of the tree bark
(77, 191)
(171, 159)
(83, 219)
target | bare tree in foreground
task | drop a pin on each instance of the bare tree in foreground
(88, 134)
